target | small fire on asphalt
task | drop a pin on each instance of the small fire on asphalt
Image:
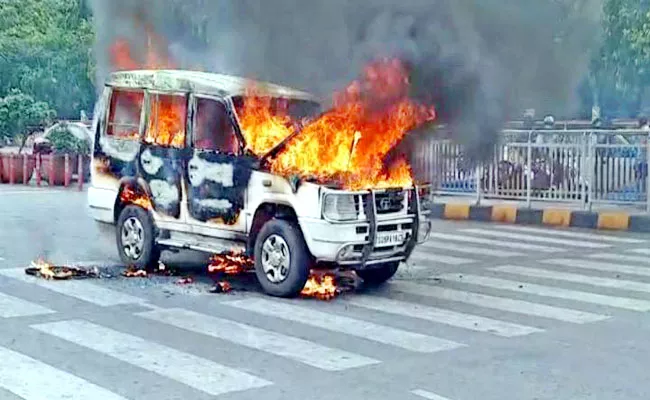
(46, 270)
(321, 284)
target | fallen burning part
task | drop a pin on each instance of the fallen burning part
(322, 284)
(161, 269)
(46, 270)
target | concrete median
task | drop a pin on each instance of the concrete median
(547, 216)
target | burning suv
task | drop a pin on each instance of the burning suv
(192, 160)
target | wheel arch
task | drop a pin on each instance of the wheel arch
(266, 212)
(139, 184)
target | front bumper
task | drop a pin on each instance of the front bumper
(354, 243)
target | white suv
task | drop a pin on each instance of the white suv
(170, 170)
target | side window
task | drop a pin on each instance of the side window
(124, 114)
(213, 129)
(167, 115)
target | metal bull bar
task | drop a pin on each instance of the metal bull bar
(370, 210)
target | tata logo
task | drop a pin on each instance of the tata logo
(384, 204)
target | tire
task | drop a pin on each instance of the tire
(136, 220)
(379, 274)
(281, 258)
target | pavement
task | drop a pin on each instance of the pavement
(482, 312)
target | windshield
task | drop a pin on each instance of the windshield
(267, 121)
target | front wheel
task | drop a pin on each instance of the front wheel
(379, 274)
(136, 238)
(281, 258)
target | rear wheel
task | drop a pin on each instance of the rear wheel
(136, 238)
(379, 274)
(281, 258)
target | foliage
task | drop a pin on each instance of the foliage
(63, 141)
(20, 113)
(45, 51)
(621, 70)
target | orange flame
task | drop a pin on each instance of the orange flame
(45, 269)
(320, 286)
(262, 128)
(233, 263)
(130, 195)
(349, 143)
(132, 272)
(167, 113)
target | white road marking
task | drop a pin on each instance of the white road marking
(479, 251)
(432, 259)
(550, 291)
(2, 258)
(570, 234)
(601, 266)
(11, 307)
(300, 350)
(193, 371)
(442, 316)
(82, 290)
(575, 278)
(349, 326)
(641, 251)
(536, 238)
(427, 395)
(31, 379)
(499, 243)
(621, 257)
(499, 303)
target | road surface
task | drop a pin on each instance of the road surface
(483, 311)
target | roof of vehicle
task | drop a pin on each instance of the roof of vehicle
(200, 82)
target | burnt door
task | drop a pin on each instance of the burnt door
(163, 156)
(217, 172)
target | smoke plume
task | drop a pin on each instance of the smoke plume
(479, 61)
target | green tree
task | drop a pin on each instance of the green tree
(45, 51)
(20, 114)
(621, 70)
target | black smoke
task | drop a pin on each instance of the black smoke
(479, 61)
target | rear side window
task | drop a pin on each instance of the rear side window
(167, 116)
(124, 114)
(213, 129)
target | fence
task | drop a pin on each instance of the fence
(573, 166)
(50, 169)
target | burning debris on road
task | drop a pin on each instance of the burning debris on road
(43, 269)
(230, 264)
(321, 285)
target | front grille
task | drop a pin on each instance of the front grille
(389, 202)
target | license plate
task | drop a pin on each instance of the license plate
(390, 239)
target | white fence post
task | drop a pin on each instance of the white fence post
(646, 169)
(529, 172)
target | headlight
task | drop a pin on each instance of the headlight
(339, 207)
(426, 202)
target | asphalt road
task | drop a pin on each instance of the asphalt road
(483, 312)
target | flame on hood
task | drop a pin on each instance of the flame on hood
(351, 142)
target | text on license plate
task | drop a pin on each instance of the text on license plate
(390, 239)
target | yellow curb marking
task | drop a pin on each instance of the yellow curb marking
(457, 211)
(556, 217)
(504, 213)
(613, 220)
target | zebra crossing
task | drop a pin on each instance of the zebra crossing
(586, 279)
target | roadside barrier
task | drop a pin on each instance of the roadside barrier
(39, 169)
(582, 167)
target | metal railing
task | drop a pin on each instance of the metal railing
(573, 166)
